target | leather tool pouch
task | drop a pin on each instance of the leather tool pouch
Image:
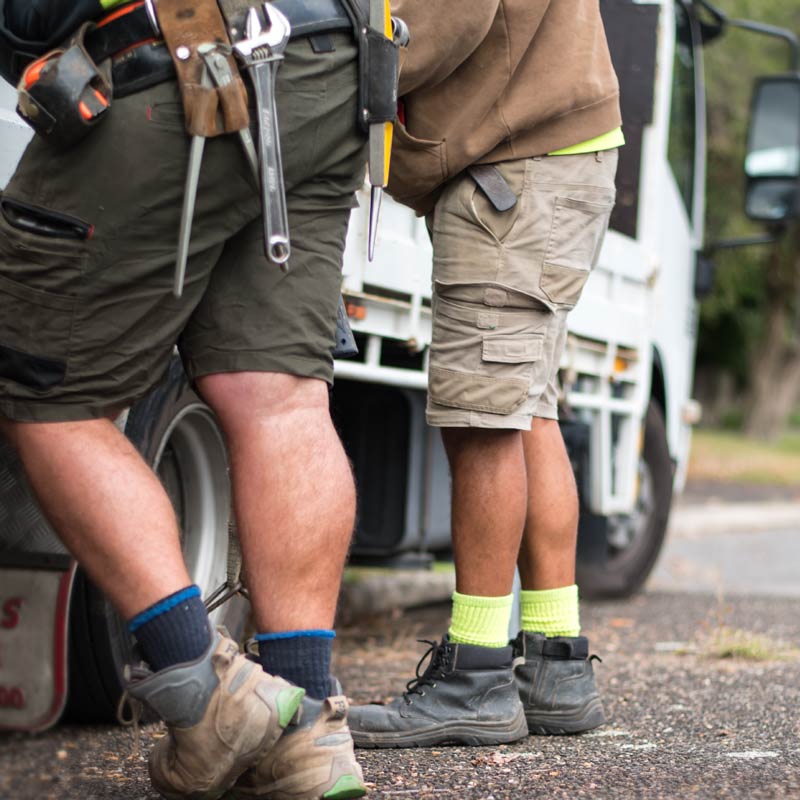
(201, 102)
(64, 94)
(378, 68)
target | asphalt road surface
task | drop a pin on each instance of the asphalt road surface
(701, 687)
(747, 547)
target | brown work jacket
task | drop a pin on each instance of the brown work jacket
(493, 80)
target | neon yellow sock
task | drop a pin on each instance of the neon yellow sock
(480, 620)
(553, 612)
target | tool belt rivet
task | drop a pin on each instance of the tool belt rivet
(183, 53)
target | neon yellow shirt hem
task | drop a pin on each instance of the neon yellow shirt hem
(606, 141)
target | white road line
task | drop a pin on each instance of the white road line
(749, 754)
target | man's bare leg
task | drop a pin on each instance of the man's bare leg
(293, 492)
(294, 499)
(107, 506)
(556, 681)
(547, 555)
(468, 686)
(488, 507)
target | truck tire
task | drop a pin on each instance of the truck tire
(179, 437)
(629, 544)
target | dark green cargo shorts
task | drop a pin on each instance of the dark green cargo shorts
(87, 317)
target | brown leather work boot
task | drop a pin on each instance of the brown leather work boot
(313, 760)
(223, 713)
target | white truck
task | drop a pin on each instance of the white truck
(626, 403)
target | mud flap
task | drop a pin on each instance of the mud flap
(34, 615)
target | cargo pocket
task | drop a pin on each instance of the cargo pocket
(576, 235)
(43, 222)
(503, 384)
(35, 333)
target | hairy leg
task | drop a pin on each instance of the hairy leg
(547, 555)
(488, 507)
(107, 506)
(293, 493)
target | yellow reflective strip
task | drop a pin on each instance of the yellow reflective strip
(106, 4)
(606, 141)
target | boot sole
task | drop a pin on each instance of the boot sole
(317, 783)
(561, 724)
(457, 732)
(346, 787)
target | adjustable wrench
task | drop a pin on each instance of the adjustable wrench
(261, 52)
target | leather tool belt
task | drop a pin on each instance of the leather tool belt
(140, 60)
(121, 55)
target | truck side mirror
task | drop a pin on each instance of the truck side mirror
(772, 164)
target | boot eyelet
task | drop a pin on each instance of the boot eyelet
(433, 685)
(422, 693)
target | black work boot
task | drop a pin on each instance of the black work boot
(555, 680)
(466, 695)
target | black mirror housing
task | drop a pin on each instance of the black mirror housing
(772, 164)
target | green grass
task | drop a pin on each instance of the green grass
(725, 642)
(728, 456)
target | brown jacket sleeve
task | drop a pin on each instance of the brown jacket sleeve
(444, 33)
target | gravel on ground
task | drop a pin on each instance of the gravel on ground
(702, 695)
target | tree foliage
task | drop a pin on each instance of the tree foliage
(733, 319)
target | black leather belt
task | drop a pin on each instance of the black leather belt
(140, 59)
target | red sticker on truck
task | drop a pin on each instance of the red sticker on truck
(34, 611)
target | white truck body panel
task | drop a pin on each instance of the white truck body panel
(638, 300)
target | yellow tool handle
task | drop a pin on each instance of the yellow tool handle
(380, 135)
(388, 127)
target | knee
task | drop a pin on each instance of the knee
(241, 397)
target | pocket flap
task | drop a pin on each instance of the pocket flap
(563, 284)
(587, 206)
(447, 387)
(513, 349)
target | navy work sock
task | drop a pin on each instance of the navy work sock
(302, 657)
(173, 630)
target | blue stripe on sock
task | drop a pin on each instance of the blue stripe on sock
(163, 606)
(271, 637)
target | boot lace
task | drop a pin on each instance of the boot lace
(436, 669)
(135, 706)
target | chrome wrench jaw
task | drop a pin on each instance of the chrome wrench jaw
(261, 52)
(275, 37)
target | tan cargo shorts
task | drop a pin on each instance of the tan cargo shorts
(504, 282)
